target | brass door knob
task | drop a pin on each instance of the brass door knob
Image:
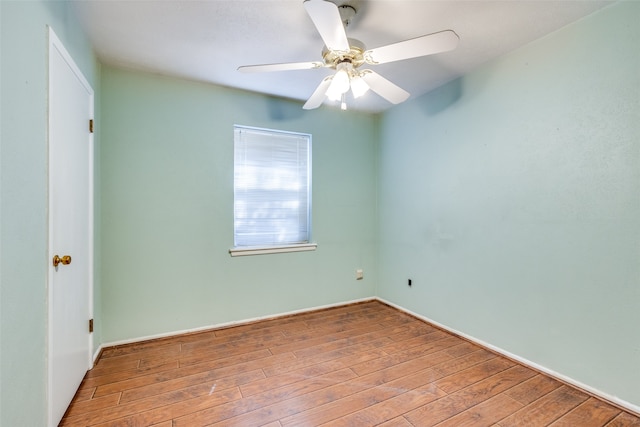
(65, 260)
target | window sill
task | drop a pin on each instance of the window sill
(263, 250)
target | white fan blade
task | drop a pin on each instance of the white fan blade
(317, 98)
(420, 46)
(384, 87)
(326, 18)
(280, 67)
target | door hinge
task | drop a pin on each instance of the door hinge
(91, 125)
(90, 325)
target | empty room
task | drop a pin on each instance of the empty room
(302, 213)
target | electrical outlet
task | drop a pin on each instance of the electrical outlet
(409, 283)
(359, 274)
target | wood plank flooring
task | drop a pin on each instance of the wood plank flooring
(359, 365)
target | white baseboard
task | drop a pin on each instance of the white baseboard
(230, 324)
(96, 355)
(560, 377)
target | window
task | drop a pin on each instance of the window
(272, 191)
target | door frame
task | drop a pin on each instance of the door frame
(54, 43)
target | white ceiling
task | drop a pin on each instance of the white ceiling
(206, 40)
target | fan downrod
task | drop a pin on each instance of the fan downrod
(348, 10)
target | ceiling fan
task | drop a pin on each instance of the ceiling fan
(346, 56)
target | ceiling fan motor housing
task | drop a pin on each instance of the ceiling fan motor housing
(355, 55)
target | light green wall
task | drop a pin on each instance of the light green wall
(167, 208)
(23, 192)
(511, 197)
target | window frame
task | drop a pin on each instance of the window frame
(269, 248)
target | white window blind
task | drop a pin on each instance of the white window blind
(272, 188)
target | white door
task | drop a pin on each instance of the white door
(70, 228)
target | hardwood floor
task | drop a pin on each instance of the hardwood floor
(358, 365)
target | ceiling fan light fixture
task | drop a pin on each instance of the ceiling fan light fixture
(333, 95)
(340, 82)
(358, 86)
(337, 88)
